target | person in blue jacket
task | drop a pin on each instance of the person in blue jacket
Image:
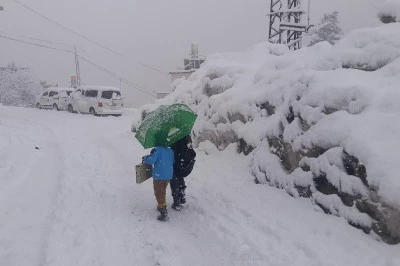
(162, 160)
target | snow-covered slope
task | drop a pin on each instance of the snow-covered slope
(74, 201)
(322, 122)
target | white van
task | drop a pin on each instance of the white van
(54, 98)
(96, 100)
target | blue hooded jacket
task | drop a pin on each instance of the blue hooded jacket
(162, 160)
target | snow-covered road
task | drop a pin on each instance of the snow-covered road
(74, 201)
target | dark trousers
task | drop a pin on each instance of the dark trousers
(178, 188)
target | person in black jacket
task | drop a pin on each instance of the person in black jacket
(185, 157)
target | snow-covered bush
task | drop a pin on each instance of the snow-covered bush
(17, 87)
(389, 11)
(327, 30)
(321, 122)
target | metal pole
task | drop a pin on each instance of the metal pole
(78, 74)
(1, 8)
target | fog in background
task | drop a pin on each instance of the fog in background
(157, 33)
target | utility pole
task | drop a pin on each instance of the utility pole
(1, 8)
(78, 73)
(308, 15)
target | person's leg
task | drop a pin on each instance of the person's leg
(164, 191)
(160, 188)
(182, 188)
(159, 192)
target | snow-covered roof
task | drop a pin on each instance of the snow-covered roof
(287, 10)
(182, 71)
(100, 88)
(60, 89)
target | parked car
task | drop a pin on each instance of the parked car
(96, 100)
(54, 98)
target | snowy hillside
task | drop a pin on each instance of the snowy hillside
(322, 122)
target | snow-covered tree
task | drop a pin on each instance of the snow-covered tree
(17, 87)
(389, 11)
(327, 30)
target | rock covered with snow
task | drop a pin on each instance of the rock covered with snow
(322, 122)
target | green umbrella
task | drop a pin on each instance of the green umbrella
(166, 125)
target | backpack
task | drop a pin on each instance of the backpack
(186, 165)
(185, 157)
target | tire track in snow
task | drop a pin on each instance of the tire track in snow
(55, 197)
(31, 194)
(96, 199)
(138, 202)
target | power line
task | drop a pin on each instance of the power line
(153, 68)
(82, 36)
(122, 79)
(66, 28)
(70, 45)
(35, 44)
(126, 81)
(41, 40)
(377, 8)
(36, 39)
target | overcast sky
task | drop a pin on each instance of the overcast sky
(155, 32)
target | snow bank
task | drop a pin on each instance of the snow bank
(319, 121)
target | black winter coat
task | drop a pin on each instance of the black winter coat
(184, 155)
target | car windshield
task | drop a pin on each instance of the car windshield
(68, 93)
(109, 94)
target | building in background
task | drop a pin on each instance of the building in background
(161, 95)
(190, 64)
(74, 82)
(46, 85)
